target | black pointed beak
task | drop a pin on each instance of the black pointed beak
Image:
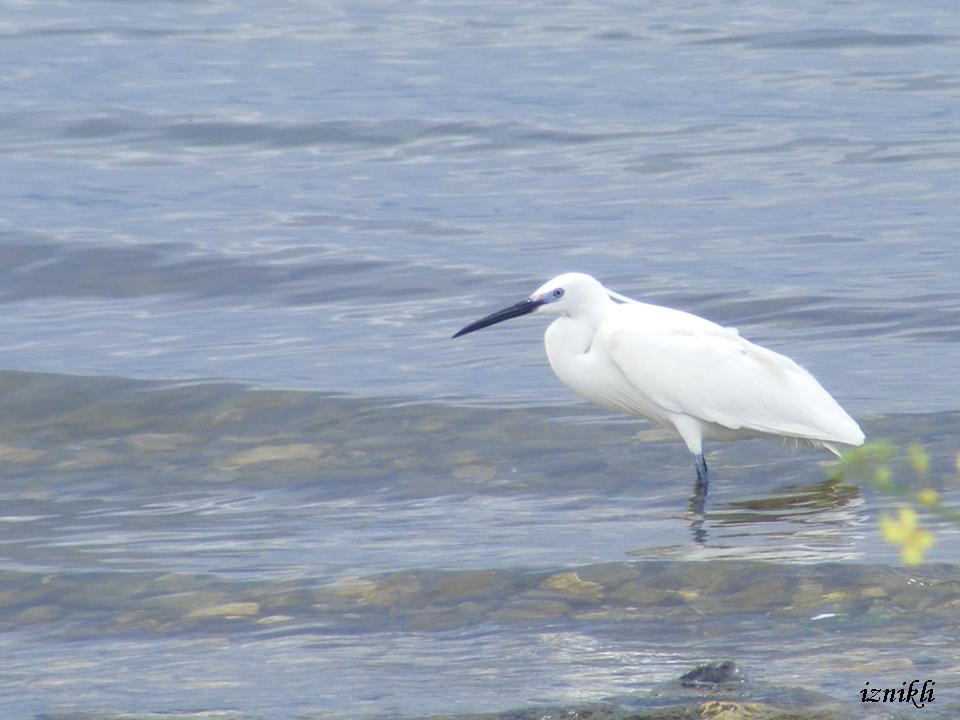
(524, 307)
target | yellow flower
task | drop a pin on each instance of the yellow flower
(928, 498)
(905, 531)
(912, 554)
(881, 477)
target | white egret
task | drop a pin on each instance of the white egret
(678, 370)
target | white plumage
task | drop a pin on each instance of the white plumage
(678, 370)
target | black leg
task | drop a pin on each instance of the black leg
(698, 500)
(702, 480)
(699, 497)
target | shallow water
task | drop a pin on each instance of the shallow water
(174, 547)
(245, 470)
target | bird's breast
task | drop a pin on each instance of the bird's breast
(585, 367)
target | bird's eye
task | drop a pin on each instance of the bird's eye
(558, 293)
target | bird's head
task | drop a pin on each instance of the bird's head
(568, 294)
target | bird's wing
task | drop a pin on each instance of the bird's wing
(689, 365)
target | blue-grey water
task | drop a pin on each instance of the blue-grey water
(244, 471)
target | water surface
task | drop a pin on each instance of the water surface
(245, 469)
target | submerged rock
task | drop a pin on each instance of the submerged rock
(227, 610)
(725, 672)
(686, 699)
(291, 453)
(573, 586)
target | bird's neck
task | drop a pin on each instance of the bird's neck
(566, 337)
(575, 333)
